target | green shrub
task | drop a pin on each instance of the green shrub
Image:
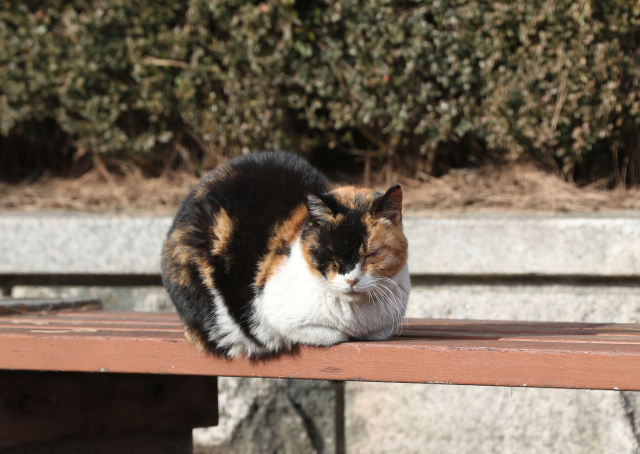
(556, 78)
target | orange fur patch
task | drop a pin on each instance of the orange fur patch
(175, 256)
(202, 190)
(391, 245)
(283, 235)
(221, 231)
(354, 197)
(206, 270)
(331, 272)
(195, 339)
(337, 219)
(311, 243)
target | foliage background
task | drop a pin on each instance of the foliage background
(419, 86)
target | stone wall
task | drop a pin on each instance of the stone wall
(501, 267)
(409, 418)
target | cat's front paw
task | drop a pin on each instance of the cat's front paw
(318, 335)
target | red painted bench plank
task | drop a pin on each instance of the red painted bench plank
(536, 354)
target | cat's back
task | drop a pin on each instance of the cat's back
(255, 189)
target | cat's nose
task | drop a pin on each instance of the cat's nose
(352, 282)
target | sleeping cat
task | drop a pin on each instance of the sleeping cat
(264, 253)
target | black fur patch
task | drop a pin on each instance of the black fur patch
(338, 243)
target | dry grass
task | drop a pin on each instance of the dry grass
(516, 187)
(98, 190)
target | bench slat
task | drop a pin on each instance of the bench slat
(535, 354)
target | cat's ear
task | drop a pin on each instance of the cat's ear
(317, 206)
(389, 206)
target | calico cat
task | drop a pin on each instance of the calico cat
(264, 253)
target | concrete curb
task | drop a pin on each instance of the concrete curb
(458, 245)
(524, 245)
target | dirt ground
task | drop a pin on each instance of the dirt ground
(515, 187)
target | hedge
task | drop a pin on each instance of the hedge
(558, 79)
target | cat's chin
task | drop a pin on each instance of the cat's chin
(351, 295)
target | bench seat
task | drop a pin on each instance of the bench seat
(532, 354)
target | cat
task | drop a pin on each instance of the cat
(265, 253)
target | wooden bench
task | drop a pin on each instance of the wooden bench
(119, 346)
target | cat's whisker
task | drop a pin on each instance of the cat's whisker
(397, 300)
(398, 311)
(394, 301)
(381, 300)
(388, 304)
(372, 299)
(396, 305)
(396, 283)
(393, 281)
